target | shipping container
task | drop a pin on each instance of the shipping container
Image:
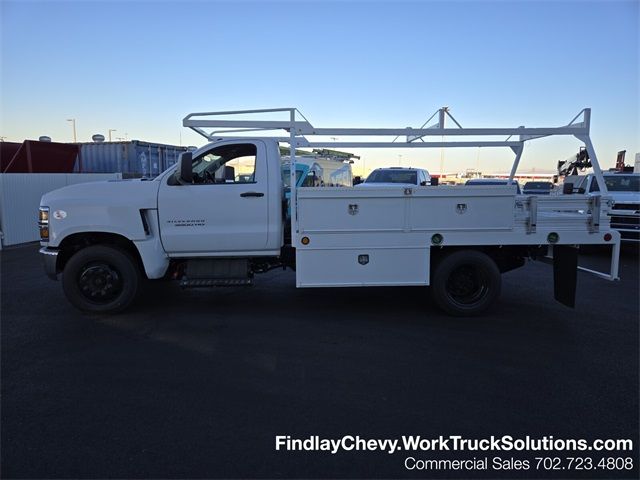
(133, 159)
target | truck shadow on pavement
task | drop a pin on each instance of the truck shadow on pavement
(274, 311)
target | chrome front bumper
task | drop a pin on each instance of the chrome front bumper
(50, 258)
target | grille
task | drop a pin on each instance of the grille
(625, 221)
(626, 206)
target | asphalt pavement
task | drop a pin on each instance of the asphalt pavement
(198, 383)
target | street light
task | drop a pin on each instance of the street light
(73, 122)
(111, 130)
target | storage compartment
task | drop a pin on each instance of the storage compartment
(362, 267)
(464, 211)
(396, 209)
(351, 213)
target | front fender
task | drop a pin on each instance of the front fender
(154, 259)
(57, 234)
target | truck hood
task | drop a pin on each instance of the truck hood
(110, 193)
(625, 197)
(384, 184)
(113, 206)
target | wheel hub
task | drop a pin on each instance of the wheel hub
(100, 283)
(466, 285)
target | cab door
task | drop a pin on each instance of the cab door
(225, 209)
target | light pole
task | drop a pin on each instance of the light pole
(73, 123)
(111, 130)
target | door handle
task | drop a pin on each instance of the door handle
(252, 194)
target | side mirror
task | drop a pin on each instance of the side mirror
(186, 169)
(567, 188)
(434, 181)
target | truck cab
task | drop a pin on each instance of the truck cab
(96, 234)
(243, 216)
(624, 190)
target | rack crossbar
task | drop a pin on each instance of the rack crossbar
(405, 144)
(438, 132)
(304, 128)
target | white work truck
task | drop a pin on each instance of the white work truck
(203, 229)
(624, 190)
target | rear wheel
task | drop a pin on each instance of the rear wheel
(465, 283)
(101, 279)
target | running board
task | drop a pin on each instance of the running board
(215, 282)
(216, 272)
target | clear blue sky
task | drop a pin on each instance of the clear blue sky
(139, 67)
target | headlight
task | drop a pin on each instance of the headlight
(43, 223)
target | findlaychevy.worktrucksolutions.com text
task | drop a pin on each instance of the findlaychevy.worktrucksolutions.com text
(505, 443)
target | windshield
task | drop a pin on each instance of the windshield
(209, 162)
(393, 176)
(623, 183)
(489, 181)
(537, 186)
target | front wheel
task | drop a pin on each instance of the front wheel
(101, 279)
(465, 283)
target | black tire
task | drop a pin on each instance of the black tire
(465, 283)
(101, 279)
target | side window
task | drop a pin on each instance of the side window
(594, 185)
(226, 164)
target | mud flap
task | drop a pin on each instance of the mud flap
(565, 274)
